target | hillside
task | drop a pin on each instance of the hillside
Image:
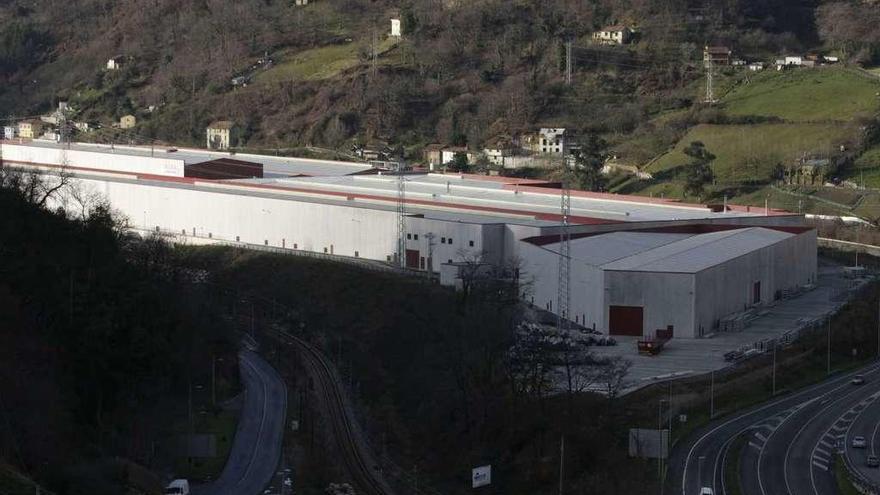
(98, 346)
(463, 72)
(760, 131)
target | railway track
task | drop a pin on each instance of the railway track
(360, 463)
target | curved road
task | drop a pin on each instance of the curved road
(256, 448)
(782, 434)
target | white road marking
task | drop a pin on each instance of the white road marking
(823, 467)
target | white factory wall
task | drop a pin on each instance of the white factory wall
(666, 299)
(727, 288)
(453, 241)
(340, 230)
(89, 159)
(540, 276)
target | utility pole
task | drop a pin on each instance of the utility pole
(568, 62)
(561, 461)
(374, 52)
(401, 216)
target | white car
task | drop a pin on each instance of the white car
(706, 491)
(859, 442)
(858, 380)
(177, 487)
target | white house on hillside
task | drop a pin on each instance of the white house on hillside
(395, 28)
(549, 141)
(221, 135)
(613, 35)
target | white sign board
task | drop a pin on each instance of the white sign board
(481, 476)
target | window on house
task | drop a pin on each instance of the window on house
(295, 246)
(388, 258)
(325, 250)
(266, 242)
(450, 240)
(415, 237)
(357, 254)
(183, 231)
(450, 261)
(210, 234)
(471, 243)
(442, 240)
(409, 236)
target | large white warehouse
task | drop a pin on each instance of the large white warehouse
(637, 264)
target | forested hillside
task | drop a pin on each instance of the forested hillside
(463, 72)
(98, 344)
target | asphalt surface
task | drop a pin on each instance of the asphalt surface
(256, 449)
(784, 438)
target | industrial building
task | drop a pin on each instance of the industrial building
(637, 264)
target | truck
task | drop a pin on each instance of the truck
(177, 487)
(654, 344)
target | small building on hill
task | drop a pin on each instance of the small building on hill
(613, 35)
(9, 132)
(30, 129)
(556, 141)
(115, 63)
(127, 122)
(396, 31)
(498, 149)
(221, 135)
(716, 55)
(433, 155)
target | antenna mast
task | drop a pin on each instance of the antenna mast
(568, 62)
(564, 294)
(401, 216)
(710, 83)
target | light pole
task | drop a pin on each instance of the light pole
(774, 369)
(661, 452)
(214, 360)
(828, 366)
(712, 395)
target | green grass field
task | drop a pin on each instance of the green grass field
(223, 426)
(750, 152)
(317, 63)
(806, 94)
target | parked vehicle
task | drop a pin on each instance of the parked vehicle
(859, 442)
(177, 487)
(858, 380)
(706, 491)
(872, 461)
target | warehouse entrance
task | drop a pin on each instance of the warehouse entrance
(412, 258)
(625, 320)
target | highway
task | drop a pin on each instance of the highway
(256, 448)
(791, 441)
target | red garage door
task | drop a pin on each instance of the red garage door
(625, 320)
(412, 258)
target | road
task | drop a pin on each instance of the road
(256, 448)
(785, 436)
(358, 459)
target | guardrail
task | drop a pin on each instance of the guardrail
(859, 481)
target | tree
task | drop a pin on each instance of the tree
(589, 160)
(459, 162)
(699, 173)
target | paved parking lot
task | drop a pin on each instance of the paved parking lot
(683, 357)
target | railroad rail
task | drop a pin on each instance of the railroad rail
(361, 464)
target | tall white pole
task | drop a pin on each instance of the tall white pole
(712, 396)
(829, 346)
(774, 368)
